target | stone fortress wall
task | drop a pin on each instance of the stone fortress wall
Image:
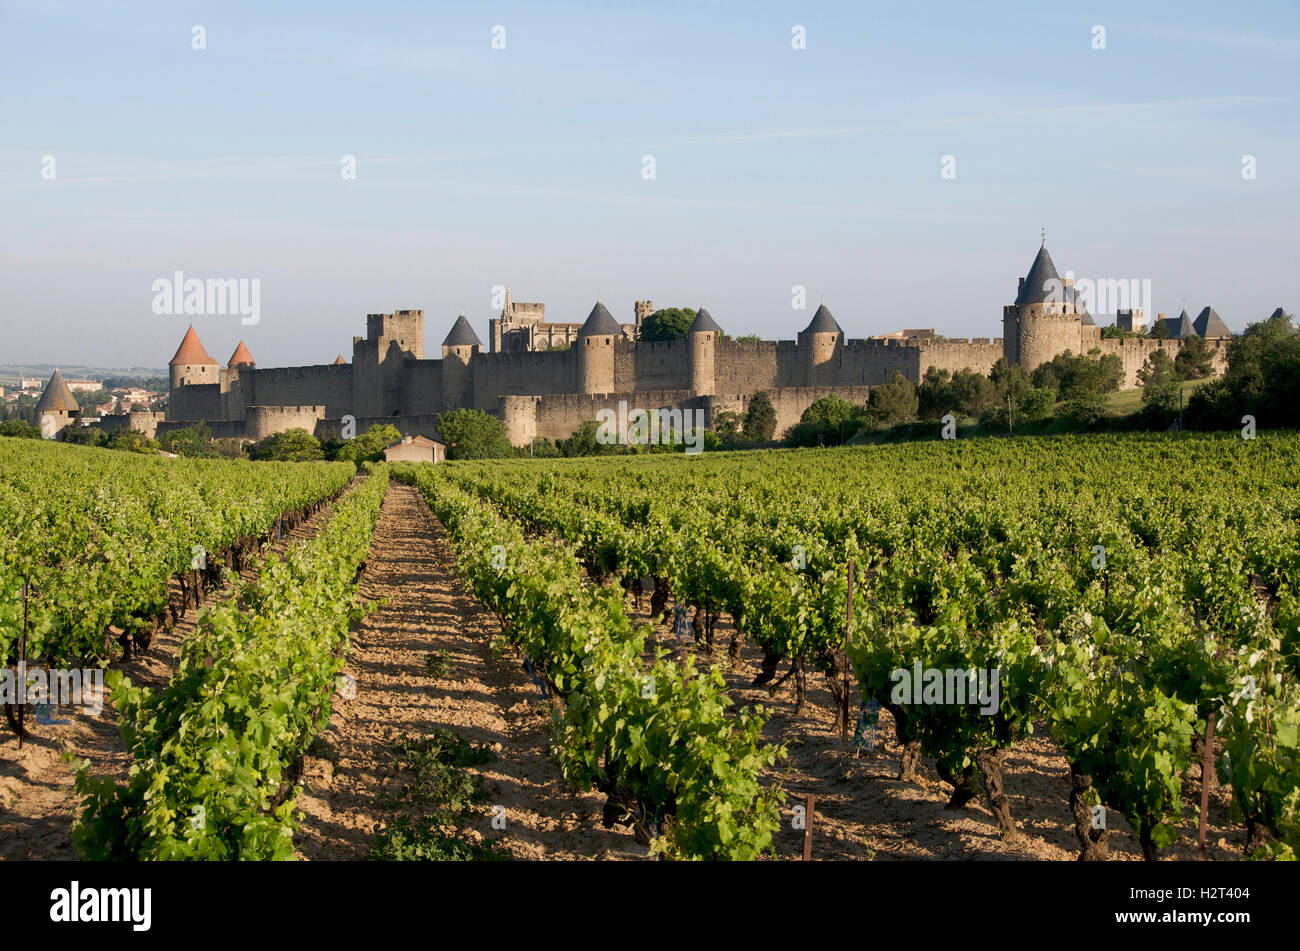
(541, 391)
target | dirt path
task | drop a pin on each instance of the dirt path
(38, 804)
(485, 698)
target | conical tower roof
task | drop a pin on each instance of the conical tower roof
(241, 357)
(339, 361)
(462, 335)
(704, 323)
(57, 396)
(191, 352)
(823, 322)
(1037, 288)
(1209, 325)
(600, 323)
(1182, 328)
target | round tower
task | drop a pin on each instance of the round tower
(596, 351)
(192, 365)
(1047, 317)
(704, 335)
(457, 350)
(817, 343)
(57, 407)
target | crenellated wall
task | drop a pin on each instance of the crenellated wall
(653, 365)
(263, 421)
(746, 366)
(874, 362)
(328, 384)
(146, 423)
(1135, 351)
(978, 354)
(498, 374)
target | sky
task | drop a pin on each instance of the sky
(773, 167)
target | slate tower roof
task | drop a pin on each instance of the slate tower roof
(57, 396)
(600, 323)
(704, 323)
(462, 335)
(1036, 289)
(1209, 325)
(823, 322)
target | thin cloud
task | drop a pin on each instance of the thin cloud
(1242, 41)
(113, 169)
(943, 122)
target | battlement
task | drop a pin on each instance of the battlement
(937, 344)
(403, 327)
(263, 421)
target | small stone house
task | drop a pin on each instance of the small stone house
(416, 449)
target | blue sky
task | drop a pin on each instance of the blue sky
(774, 167)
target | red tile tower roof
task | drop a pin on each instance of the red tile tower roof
(241, 357)
(191, 352)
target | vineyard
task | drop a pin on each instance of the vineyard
(1126, 602)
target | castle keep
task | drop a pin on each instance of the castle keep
(545, 379)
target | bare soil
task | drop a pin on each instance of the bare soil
(486, 698)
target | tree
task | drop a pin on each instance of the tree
(935, 394)
(1078, 376)
(1015, 398)
(1084, 408)
(474, 434)
(18, 429)
(1194, 360)
(84, 435)
(974, 392)
(130, 440)
(370, 445)
(193, 442)
(667, 323)
(1261, 370)
(829, 420)
(727, 425)
(760, 418)
(542, 449)
(1160, 383)
(292, 445)
(584, 442)
(894, 402)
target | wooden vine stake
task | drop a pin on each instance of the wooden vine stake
(844, 692)
(22, 666)
(1207, 764)
(810, 804)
